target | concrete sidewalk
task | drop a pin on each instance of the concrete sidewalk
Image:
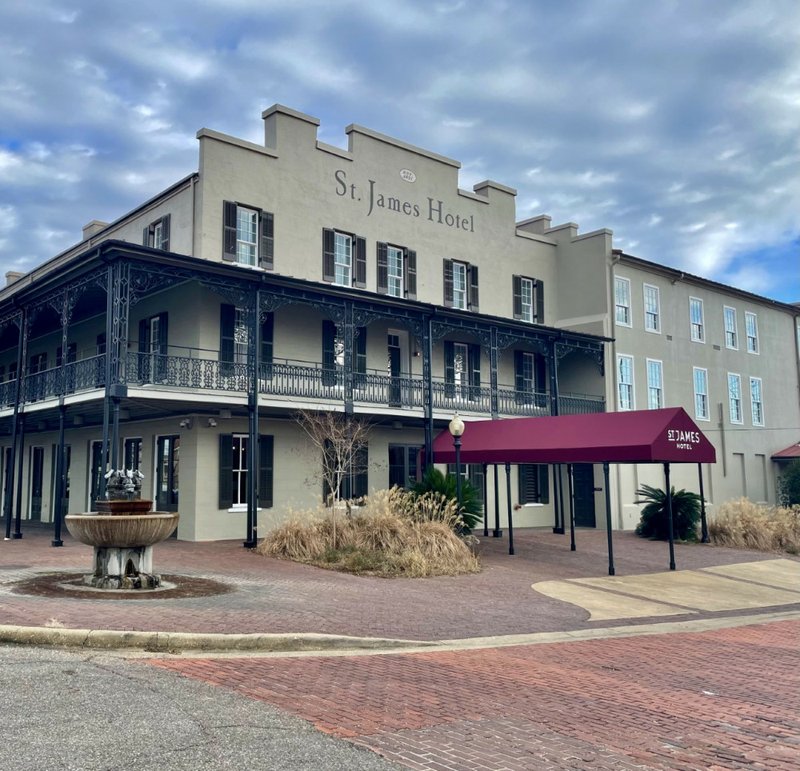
(277, 605)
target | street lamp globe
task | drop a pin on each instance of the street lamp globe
(456, 426)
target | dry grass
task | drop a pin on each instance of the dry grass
(387, 536)
(743, 524)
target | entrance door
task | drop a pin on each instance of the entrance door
(393, 366)
(583, 489)
(37, 478)
(53, 467)
(167, 468)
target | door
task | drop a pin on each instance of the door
(96, 481)
(167, 472)
(53, 481)
(36, 486)
(393, 366)
(583, 491)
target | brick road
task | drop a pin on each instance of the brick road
(726, 699)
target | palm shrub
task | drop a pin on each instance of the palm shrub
(654, 521)
(434, 481)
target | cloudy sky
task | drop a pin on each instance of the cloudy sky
(675, 123)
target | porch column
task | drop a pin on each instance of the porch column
(553, 362)
(18, 512)
(254, 346)
(427, 388)
(111, 327)
(61, 478)
(495, 408)
(8, 502)
(556, 502)
(497, 532)
(485, 503)
(349, 357)
(606, 485)
(510, 515)
(571, 509)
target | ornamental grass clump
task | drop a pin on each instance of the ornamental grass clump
(392, 533)
(743, 524)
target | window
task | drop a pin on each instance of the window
(132, 454)
(696, 319)
(751, 331)
(344, 258)
(530, 383)
(622, 300)
(234, 460)
(533, 483)
(397, 271)
(655, 385)
(403, 461)
(248, 235)
(472, 473)
(735, 397)
(153, 348)
(756, 402)
(355, 482)
(333, 353)
(233, 340)
(462, 370)
(652, 308)
(625, 381)
(156, 234)
(731, 339)
(528, 296)
(700, 377)
(460, 285)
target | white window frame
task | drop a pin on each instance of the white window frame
(757, 405)
(734, 399)
(625, 391)
(751, 339)
(342, 259)
(656, 328)
(239, 470)
(655, 389)
(622, 303)
(731, 331)
(697, 329)
(460, 285)
(394, 271)
(526, 299)
(246, 249)
(701, 396)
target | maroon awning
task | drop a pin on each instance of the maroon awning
(792, 451)
(641, 436)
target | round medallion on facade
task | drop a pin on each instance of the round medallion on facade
(407, 175)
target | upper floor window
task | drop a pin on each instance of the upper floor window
(460, 285)
(731, 337)
(622, 300)
(700, 377)
(528, 299)
(652, 308)
(756, 401)
(247, 235)
(735, 397)
(751, 331)
(625, 381)
(156, 234)
(397, 271)
(697, 320)
(344, 258)
(655, 385)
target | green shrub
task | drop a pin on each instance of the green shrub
(789, 484)
(654, 522)
(434, 481)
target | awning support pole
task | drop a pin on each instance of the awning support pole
(485, 504)
(703, 521)
(669, 518)
(607, 487)
(561, 528)
(571, 509)
(556, 507)
(510, 518)
(497, 532)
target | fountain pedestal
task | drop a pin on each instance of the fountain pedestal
(123, 544)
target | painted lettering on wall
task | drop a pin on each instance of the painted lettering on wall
(683, 440)
(433, 210)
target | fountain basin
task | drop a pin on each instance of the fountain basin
(122, 531)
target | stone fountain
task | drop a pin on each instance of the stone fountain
(123, 532)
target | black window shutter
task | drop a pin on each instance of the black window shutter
(539, 311)
(144, 349)
(225, 471)
(544, 484)
(540, 373)
(449, 369)
(146, 236)
(361, 476)
(360, 273)
(519, 376)
(266, 254)
(267, 334)
(328, 352)
(266, 452)
(328, 259)
(361, 351)
(517, 290)
(229, 231)
(383, 268)
(411, 274)
(473, 287)
(227, 322)
(475, 369)
(526, 483)
(163, 335)
(164, 233)
(448, 283)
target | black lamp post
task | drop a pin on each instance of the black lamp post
(456, 428)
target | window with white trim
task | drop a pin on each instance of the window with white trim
(459, 285)
(342, 258)
(394, 264)
(655, 385)
(700, 377)
(735, 397)
(622, 300)
(751, 332)
(731, 338)
(756, 401)
(526, 299)
(239, 469)
(625, 381)
(652, 308)
(697, 320)
(246, 236)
